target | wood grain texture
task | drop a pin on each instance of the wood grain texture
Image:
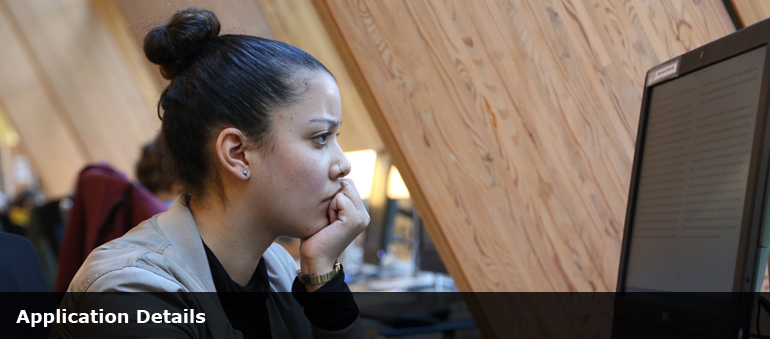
(513, 123)
(88, 77)
(751, 11)
(141, 70)
(297, 22)
(36, 113)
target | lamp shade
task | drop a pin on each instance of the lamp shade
(396, 187)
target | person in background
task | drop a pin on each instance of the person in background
(105, 205)
(21, 209)
(250, 128)
(153, 174)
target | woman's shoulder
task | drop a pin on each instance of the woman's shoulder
(133, 262)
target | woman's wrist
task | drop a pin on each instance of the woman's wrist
(317, 267)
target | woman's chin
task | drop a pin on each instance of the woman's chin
(317, 226)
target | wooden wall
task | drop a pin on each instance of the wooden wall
(68, 91)
(513, 123)
(750, 12)
(39, 120)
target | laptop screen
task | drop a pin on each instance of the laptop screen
(693, 178)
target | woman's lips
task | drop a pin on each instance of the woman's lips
(329, 199)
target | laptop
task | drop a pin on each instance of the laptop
(694, 247)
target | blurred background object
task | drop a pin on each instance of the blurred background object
(105, 205)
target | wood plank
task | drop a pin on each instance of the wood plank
(35, 113)
(513, 122)
(88, 76)
(141, 70)
(751, 11)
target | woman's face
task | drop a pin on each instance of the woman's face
(297, 171)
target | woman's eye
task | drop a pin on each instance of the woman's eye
(321, 139)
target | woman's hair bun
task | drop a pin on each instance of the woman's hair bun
(175, 45)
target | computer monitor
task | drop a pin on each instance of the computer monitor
(698, 193)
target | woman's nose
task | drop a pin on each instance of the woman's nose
(341, 168)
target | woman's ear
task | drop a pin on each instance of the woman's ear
(231, 152)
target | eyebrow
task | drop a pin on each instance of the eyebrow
(330, 121)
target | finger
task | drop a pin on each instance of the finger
(333, 216)
(333, 210)
(345, 207)
(349, 190)
(357, 201)
(343, 231)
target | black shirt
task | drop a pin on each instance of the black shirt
(246, 308)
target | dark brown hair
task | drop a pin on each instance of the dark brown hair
(149, 170)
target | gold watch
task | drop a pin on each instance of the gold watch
(315, 279)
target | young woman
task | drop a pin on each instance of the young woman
(249, 126)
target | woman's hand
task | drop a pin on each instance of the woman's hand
(348, 218)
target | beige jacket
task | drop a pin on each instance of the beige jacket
(165, 254)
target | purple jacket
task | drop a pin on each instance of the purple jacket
(105, 206)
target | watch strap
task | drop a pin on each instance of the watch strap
(315, 279)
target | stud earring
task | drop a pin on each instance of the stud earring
(245, 173)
